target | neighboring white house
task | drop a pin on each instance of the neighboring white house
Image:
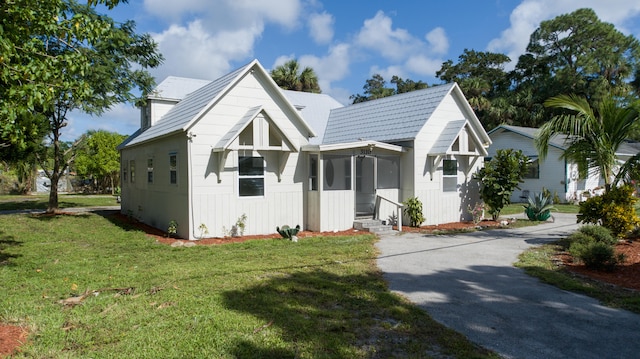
(554, 173)
(208, 153)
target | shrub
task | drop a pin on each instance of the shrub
(576, 237)
(598, 233)
(595, 255)
(613, 210)
(413, 209)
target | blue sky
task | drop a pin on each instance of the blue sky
(346, 41)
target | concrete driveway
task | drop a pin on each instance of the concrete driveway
(468, 283)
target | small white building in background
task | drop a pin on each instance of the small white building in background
(210, 152)
(554, 173)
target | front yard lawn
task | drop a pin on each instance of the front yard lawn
(322, 297)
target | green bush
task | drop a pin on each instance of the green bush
(613, 210)
(576, 237)
(413, 209)
(595, 255)
(599, 234)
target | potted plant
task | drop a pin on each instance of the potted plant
(288, 232)
(539, 207)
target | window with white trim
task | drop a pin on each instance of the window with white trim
(337, 172)
(132, 171)
(149, 170)
(313, 172)
(449, 175)
(250, 176)
(173, 168)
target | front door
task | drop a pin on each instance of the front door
(365, 186)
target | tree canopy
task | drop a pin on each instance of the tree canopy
(60, 56)
(98, 158)
(574, 53)
(376, 88)
(289, 77)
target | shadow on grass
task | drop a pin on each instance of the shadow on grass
(324, 315)
(6, 242)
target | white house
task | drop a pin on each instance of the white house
(210, 152)
(554, 173)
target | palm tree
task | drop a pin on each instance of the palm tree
(592, 133)
(289, 77)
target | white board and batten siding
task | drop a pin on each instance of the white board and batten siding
(158, 202)
(216, 200)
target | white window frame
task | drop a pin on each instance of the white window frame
(173, 169)
(251, 177)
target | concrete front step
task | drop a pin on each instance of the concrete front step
(372, 225)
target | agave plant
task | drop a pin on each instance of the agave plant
(539, 207)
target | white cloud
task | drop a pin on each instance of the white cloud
(526, 17)
(321, 27)
(377, 34)
(437, 38)
(423, 65)
(193, 52)
(330, 68)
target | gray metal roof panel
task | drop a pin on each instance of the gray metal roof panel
(315, 109)
(387, 119)
(186, 110)
(447, 137)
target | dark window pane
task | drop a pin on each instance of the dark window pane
(251, 166)
(251, 187)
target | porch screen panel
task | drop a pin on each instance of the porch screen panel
(337, 172)
(388, 172)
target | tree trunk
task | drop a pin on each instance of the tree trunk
(55, 174)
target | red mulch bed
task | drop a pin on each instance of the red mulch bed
(626, 275)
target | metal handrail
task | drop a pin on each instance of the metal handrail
(398, 209)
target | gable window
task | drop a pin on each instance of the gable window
(534, 169)
(173, 168)
(149, 170)
(337, 172)
(250, 176)
(449, 175)
(313, 172)
(132, 171)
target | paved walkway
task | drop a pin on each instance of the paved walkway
(468, 283)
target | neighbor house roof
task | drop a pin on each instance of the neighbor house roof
(393, 118)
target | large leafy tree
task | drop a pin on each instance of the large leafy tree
(593, 132)
(376, 87)
(483, 79)
(289, 76)
(59, 56)
(574, 53)
(500, 177)
(98, 158)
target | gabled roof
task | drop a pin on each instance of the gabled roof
(315, 109)
(558, 141)
(391, 119)
(176, 88)
(450, 134)
(190, 109)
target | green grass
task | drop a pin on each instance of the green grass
(318, 298)
(538, 262)
(516, 208)
(13, 202)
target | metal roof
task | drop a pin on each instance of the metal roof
(315, 109)
(185, 111)
(393, 118)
